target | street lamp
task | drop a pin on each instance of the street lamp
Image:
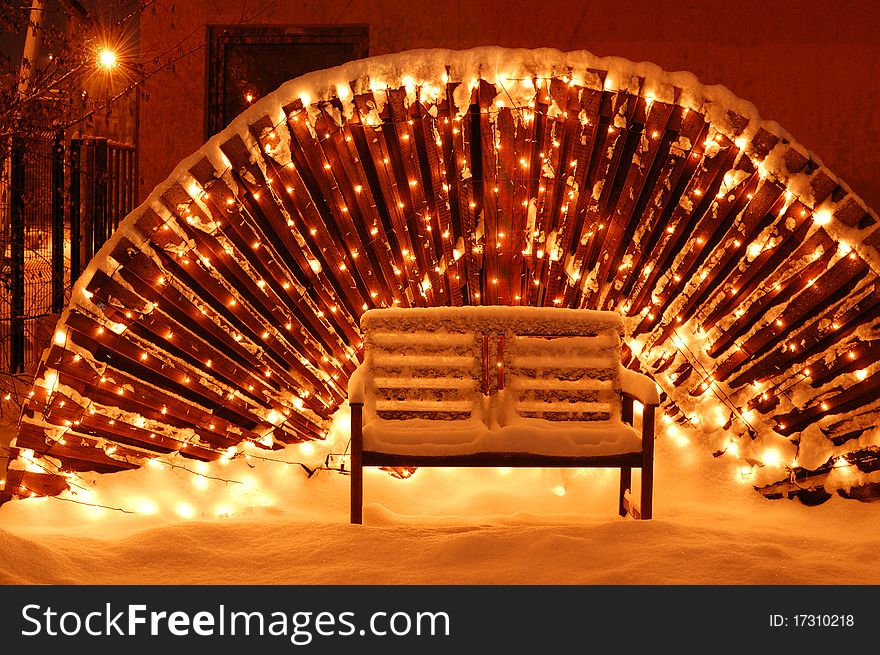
(107, 58)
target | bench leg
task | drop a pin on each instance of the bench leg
(357, 495)
(647, 490)
(647, 462)
(357, 468)
(625, 485)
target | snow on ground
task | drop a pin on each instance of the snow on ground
(441, 526)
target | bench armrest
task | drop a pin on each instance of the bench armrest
(638, 386)
(356, 385)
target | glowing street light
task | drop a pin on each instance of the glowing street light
(107, 58)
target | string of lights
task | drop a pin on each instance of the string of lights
(228, 308)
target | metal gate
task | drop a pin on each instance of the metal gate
(59, 202)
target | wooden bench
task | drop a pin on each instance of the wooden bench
(499, 386)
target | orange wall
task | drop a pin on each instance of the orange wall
(813, 66)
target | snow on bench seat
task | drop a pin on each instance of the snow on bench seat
(470, 437)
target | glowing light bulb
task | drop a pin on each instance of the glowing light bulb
(185, 510)
(107, 59)
(772, 457)
(822, 217)
(145, 505)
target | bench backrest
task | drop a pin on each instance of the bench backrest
(456, 363)
(563, 378)
(421, 373)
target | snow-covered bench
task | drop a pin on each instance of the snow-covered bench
(499, 386)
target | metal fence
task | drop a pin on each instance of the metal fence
(59, 202)
(102, 192)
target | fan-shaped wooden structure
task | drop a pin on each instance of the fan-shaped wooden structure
(225, 309)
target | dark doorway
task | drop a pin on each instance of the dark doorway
(246, 63)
